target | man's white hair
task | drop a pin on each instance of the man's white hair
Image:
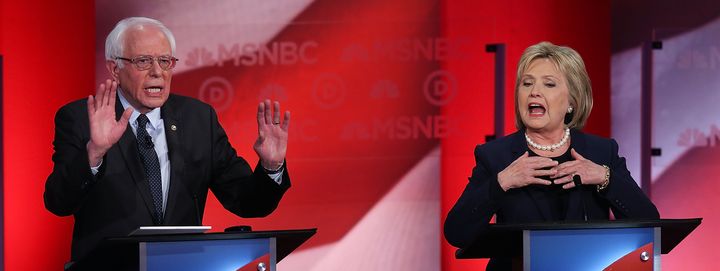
(114, 43)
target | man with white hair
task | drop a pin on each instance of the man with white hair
(113, 179)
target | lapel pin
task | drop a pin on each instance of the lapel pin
(173, 127)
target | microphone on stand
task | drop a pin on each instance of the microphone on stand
(148, 142)
(197, 210)
(578, 184)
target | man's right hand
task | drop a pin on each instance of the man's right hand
(105, 131)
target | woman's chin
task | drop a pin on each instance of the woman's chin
(541, 125)
(535, 123)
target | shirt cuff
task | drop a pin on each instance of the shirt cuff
(277, 176)
(96, 169)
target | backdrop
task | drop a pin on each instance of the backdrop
(388, 100)
(685, 121)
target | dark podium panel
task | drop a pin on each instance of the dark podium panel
(178, 251)
(514, 241)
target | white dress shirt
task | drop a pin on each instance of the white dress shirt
(156, 129)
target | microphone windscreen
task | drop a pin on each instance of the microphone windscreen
(148, 142)
(577, 181)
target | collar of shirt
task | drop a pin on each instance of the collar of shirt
(153, 116)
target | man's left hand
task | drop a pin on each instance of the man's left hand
(271, 144)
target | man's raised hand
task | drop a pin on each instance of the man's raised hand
(105, 130)
(271, 144)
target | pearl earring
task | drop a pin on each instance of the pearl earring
(570, 109)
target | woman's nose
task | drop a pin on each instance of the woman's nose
(535, 91)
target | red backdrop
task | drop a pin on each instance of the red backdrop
(49, 60)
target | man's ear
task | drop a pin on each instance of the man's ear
(113, 68)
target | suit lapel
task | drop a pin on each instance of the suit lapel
(173, 134)
(129, 151)
(577, 141)
(517, 144)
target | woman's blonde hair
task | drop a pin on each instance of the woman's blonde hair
(569, 62)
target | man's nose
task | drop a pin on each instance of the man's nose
(155, 69)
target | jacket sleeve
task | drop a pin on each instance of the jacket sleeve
(471, 214)
(245, 192)
(626, 199)
(71, 178)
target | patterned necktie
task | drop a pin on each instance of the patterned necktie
(152, 167)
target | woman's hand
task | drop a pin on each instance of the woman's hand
(525, 170)
(589, 172)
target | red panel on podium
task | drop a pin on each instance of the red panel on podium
(634, 260)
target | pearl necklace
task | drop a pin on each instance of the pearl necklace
(552, 147)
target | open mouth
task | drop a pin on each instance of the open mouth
(154, 89)
(536, 109)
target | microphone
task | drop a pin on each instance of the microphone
(196, 204)
(197, 210)
(148, 142)
(578, 184)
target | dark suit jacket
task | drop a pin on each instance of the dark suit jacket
(117, 200)
(483, 196)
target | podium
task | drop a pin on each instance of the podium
(243, 251)
(595, 245)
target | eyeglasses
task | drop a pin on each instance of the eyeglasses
(145, 62)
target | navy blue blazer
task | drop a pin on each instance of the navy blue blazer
(484, 198)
